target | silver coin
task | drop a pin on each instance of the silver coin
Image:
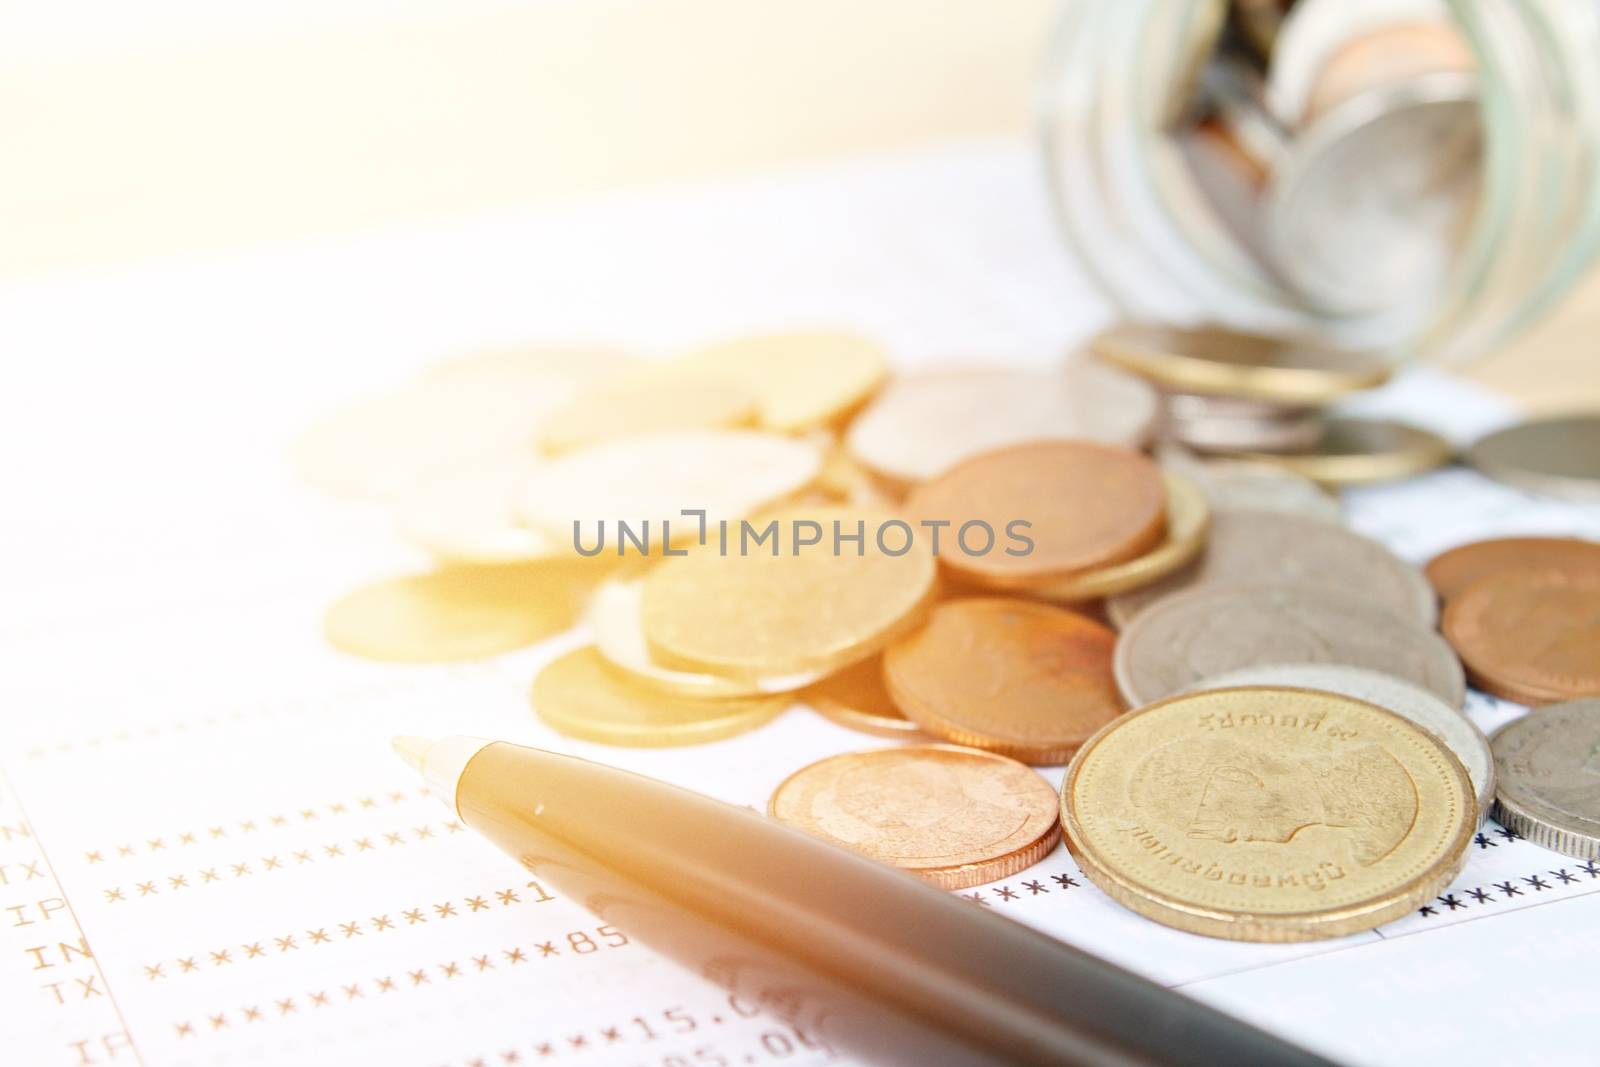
(1549, 768)
(1458, 732)
(1240, 485)
(1557, 457)
(1210, 433)
(1274, 547)
(1224, 627)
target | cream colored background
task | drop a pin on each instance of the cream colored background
(143, 128)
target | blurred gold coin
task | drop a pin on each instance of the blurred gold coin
(801, 380)
(1211, 359)
(459, 612)
(614, 621)
(953, 817)
(1188, 520)
(1080, 506)
(784, 606)
(648, 480)
(581, 695)
(628, 410)
(1268, 814)
(1362, 451)
(857, 697)
(469, 515)
(1026, 680)
(456, 415)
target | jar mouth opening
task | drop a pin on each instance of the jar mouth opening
(1458, 269)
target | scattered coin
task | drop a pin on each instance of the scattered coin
(1022, 679)
(1221, 424)
(1081, 505)
(469, 514)
(1558, 457)
(1453, 571)
(1211, 359)
(924, 424)
(618, 630)
(801, 380)
(632, 409)
(1188, 520)
(1361, 451)
(648, 480)
(776, 609)
(1549, 768)
(858, 697)
(954, 817)
(1239, 485)
(459, 612)
(1225, 626)
(1273, 547)
(581, 695)
(1267, 814)
(1529, 634)
(1449, 725)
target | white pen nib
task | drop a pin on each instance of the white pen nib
(414, 750)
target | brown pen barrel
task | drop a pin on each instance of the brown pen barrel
(855, 955)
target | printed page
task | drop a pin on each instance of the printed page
(208, 854)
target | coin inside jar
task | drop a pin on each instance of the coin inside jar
(951, 816)
(1266, 814)
(1034, 512)
(1531, 635)
(1547, 791)
(1214, 628)
(1276, 547)
(1023, 679)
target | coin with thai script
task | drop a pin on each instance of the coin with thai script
(826, 587)
(1225, 626)
(924, 424)
(1036, 513)
(1530, 634)
(1027, 680)
(1211, 359)
(952, 816)
(1451, 572)
(1556, 456)
(858, 697)
(460, 612)
(1549, 768)
(581, 695)
(1268, 814)
(1420, 706)
(1269, 547)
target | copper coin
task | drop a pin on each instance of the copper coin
(858, 697)
(1078, 504)
(1023, 679)
(1453, 571)
(1530, 634)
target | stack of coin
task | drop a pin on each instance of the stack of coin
(1260, 397)
(1524, 615)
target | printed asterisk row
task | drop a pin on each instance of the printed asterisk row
(1511, 887)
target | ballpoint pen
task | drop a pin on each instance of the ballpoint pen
(859, 957)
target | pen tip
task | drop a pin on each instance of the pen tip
(411, 749)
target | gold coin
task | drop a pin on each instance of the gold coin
(1210, 359)
(614, 620)
(1268, 814)
(627, 410)
(1362, 451)
(857, 697)
(802, 379)
(772, 609)
(581, 695)
(1026, 680)
(459, 612)
(1188, 521)
(951, 816)
(469, 514)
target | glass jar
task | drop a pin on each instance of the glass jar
(1127, 200)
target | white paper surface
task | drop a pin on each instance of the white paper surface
(208, 854)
